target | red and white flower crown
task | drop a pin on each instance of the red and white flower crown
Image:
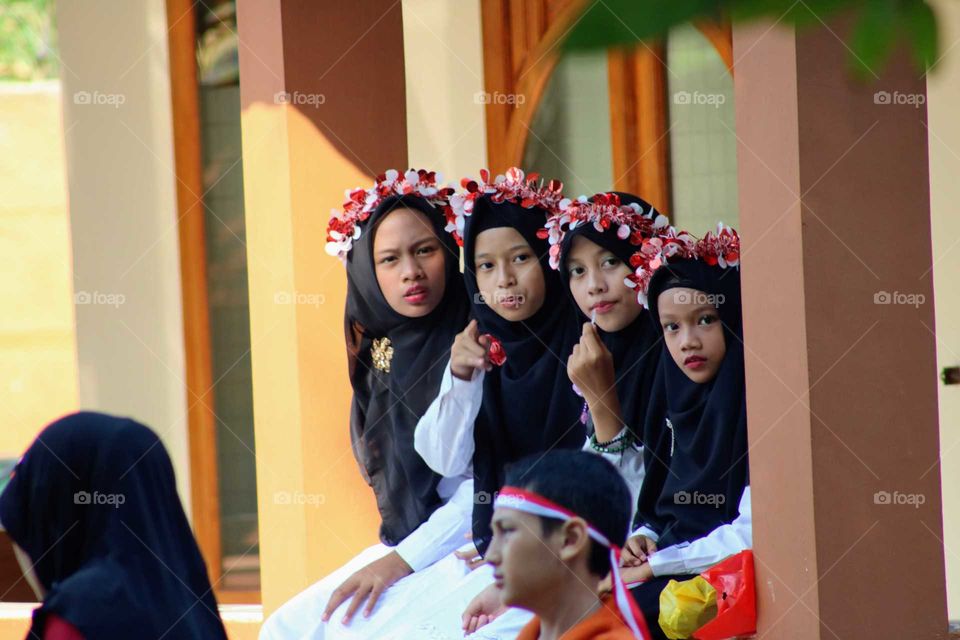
(513, 186)
(604, 211)
(344, 226)
(715, 248)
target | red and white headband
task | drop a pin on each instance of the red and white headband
(535, 504)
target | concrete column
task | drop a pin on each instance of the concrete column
(841, 371)
(322, 93)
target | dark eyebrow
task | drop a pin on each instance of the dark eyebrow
(510, 250)
(425, 239)
(665, 317)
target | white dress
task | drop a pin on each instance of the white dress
(429, 603)
(696, 556)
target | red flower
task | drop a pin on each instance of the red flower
(497, 355)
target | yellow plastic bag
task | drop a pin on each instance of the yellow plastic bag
(686, 606)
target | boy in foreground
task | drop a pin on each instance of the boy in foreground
(558, 525)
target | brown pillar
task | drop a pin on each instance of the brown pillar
(322, 91)
(841, 369)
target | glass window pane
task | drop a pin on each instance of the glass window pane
(570, 135)
(703, 147)
(228, 296)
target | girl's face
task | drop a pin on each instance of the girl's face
(596, 282)
(509, 275)
(409, 262)
(693, 332)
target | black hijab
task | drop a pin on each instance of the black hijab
(634, 348)
(528, 404)
(94, 505)
(709, 438)
(387, 406)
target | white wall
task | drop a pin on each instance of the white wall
(943, 92)
(443, 58)
(123, 215)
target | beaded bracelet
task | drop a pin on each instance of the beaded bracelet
(618, 445)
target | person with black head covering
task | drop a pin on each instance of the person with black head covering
(405, 303)
(614, 363)
(93, 510)
(510, 395)
(694, 505)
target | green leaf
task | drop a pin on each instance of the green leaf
(920, 25)
(874, 36)
(608, 23)
(881, 24)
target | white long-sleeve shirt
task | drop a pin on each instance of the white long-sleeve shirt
(444, 434)
(696, 556)
(446, 528)
(630, 465)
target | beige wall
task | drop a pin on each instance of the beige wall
(123, 215)
(38, 367)
(443, 57)
(943, 90)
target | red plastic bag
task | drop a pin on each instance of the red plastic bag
(736, 599)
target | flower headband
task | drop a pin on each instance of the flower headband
(535, 504)
(344, 226)
(721, 248)
(604, 211)
(513, 186)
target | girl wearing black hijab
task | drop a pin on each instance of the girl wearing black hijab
(694, 506)
(93, 506)
(523, 330)
(405, 303)
(509, 395)
(614, 363)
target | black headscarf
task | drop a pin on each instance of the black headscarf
(709, 422)
(94, 505)
(634, 348)
(528, 404)
(387, 406)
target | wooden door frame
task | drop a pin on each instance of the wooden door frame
(520, 53)
(201, 412)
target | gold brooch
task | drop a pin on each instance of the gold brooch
(382, 354)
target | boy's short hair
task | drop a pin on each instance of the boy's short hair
(584, 483)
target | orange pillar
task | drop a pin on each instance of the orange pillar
(841, 367)
(322, 91)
